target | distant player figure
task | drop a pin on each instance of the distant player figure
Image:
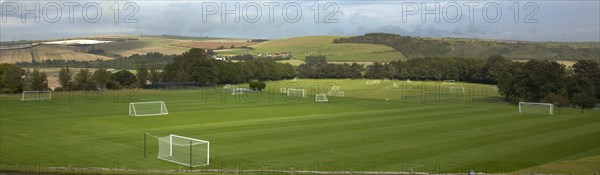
(472, 172)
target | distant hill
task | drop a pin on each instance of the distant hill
(414, 47)
(300, 47)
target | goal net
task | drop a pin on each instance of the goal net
(336, 93)
(184, 150)
(449, 81)
(376, 82)
(320, 98)
(148, 108)
(237, 91)
(36, 95)
(531, 107)
(335, 88)
(296, 92)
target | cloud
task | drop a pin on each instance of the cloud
(556, 21)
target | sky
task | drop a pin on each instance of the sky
(548, 20)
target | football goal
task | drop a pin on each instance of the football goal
(395, 85)
(148, 108)
(336, 93)
(335, 88)
(184, 150)
(237, 91)
(36, 95)
(227, 86)
(296, 92)
(376, 82)
(320, 98)
(532, 107)
(386, 79)
(369, 82)
(449, 81)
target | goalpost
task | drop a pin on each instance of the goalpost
(184, 150)
(533, 107)
(335, 88)
(336, 93)
(320, 98)
(449, 81)
(148, 108)
(36, 95)
(296, 92)
(237, 91)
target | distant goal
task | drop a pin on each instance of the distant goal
(296, 92)
(532, 107)
(148, 108)
(36, 95)
(321, 98)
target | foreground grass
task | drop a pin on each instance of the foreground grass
(373, 128)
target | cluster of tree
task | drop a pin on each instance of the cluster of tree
(152, 60)
(317, 67)
(195, 66)
(459, 69)
(551, 82)
(99, 79)
(415, 47)
(16, 79)
(252, 57)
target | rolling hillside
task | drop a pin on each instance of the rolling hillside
(301, 47)
(47, 52)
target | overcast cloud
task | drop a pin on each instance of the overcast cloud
(535, 20)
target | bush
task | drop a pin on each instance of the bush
(562, 100)
(257, 85)
(115, 85)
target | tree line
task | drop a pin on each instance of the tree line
(151, 60)
(416, 47)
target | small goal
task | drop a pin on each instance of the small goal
(184, 150)
(532, 107)
(296, 92)
(237, 91)
(148, 108)
(449, 81)
(336, 93)
(36, 95)
(320, 98)
(335, 88)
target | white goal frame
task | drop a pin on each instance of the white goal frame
(133, 112)
(335, 88)
(449, 81)
(237, 91)
(538, 104)
(336, 93)
(303, 92)
(37, 95)
(186, 138)
(321, 98)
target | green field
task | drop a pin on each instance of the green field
(416, 127)
(301, 47)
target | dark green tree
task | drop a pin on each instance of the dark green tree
(124, 77)
(64, 77)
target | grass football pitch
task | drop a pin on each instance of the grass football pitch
(418, 126)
